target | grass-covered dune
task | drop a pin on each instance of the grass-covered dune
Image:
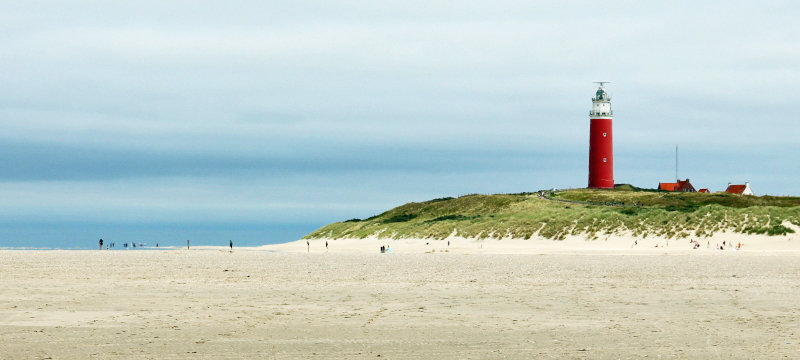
(581, 212)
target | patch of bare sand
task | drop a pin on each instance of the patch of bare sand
(257, 304)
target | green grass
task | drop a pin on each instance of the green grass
(524, 215)
(677, 200)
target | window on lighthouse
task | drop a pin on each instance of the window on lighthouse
(604, 159)
(604, 134)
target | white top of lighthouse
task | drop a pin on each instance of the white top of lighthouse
(601, 103)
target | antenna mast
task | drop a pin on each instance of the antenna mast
(676, 163)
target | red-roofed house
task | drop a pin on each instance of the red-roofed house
(703, 190)
(667, 186)
(739, 189)
(684, 186)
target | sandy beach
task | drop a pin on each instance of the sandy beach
(252, 303)
(623, 244)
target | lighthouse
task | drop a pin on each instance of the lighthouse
(601, 145)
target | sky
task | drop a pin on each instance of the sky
(261, 121)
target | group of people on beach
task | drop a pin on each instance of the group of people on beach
(386, 249)
(737, 247)
(696, 244)
(133, 245)
(110, 246)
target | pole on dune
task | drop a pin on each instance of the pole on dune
(676, 163)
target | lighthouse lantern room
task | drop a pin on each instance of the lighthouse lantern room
(601, 145)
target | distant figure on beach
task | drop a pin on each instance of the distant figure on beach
(231, 244)
(187, 244)
(101, 244)
(448, 243)
(389, 249)
(309, 246)
(326, 245)
(383, 249)
(156, 244)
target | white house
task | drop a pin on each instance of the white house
(740, 189)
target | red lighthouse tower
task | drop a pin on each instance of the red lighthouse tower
(601, 145)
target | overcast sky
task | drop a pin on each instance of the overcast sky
(262, 121)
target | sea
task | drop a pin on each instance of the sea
(86, 236)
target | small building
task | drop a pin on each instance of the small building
(667, 186)
(739, 189)
(703, 191)
(683, 186)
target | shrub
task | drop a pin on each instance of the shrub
(400, 218)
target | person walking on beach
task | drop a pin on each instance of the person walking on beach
(187, 244)
(101, 244)
(309, 246)
(326, 245)
(231, 244)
